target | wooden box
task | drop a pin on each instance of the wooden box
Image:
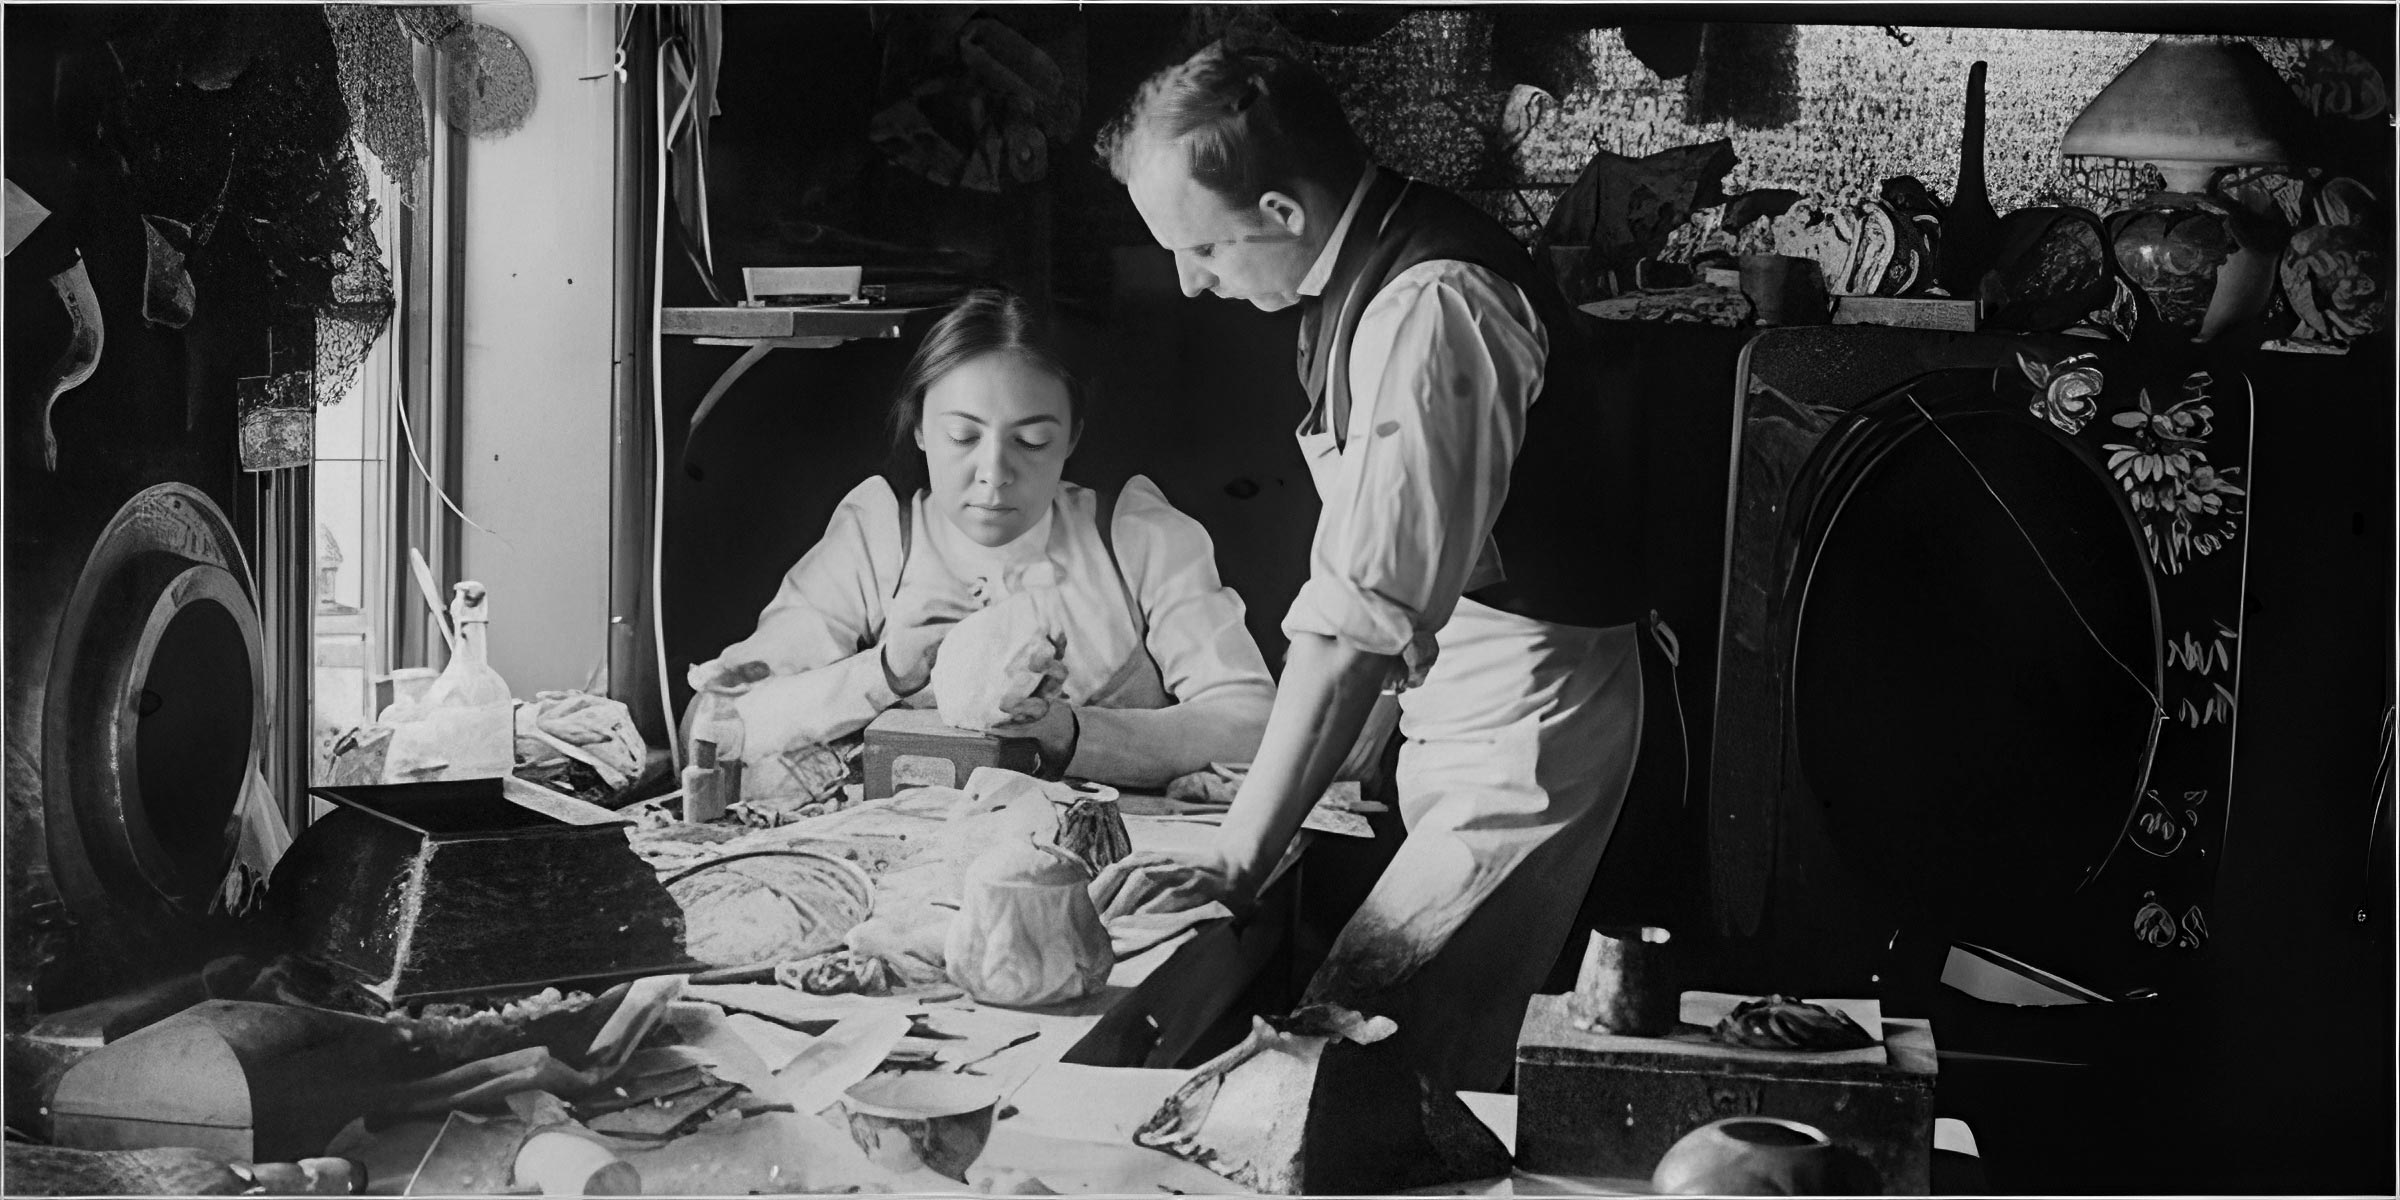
(1592, 1103)
(253, 1082)
(914, 747)
(429, 889)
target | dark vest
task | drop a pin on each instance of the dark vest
(1569, 533)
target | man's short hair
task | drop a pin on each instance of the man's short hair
(1250, 121)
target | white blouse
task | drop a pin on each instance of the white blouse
(1201, 695)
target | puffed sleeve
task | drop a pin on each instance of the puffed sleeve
(829, 605)
(1206, 657)
(1446, 361)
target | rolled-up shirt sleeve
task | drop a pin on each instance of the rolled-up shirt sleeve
(1445, 363)
(1206, 658)
(829, 606)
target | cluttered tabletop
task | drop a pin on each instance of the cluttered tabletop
(876, 995)
(853, 1058)
(491, 987)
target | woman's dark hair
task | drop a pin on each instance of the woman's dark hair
(990, 320)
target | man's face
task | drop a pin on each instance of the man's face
(1259, 253)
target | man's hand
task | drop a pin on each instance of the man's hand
(1149, 882)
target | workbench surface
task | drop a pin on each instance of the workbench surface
(753, 1033)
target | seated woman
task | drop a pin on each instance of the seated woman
(1162, 678)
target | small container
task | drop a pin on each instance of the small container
(565, 1164)
(1628, 984)
(1747, 1156)
(1785, 289)
(712, 782)
(936, 1122)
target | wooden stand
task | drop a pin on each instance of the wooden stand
(1600, 1104)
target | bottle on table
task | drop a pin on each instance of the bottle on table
(712, 781)
(468, 716)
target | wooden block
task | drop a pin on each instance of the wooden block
(1309, 1116)
(834, 283)
(254, 1082)
(415, 890)
(104, 1021)
(914, 747)
(783, 322)
(1598, 1104)
(1955, 315)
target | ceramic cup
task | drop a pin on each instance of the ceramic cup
(1628, 984)
(935, 1122)
(1747, 1156)
(564, 1164)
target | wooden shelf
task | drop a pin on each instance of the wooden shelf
(843, 324)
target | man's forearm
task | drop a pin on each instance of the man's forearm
(1321, 703)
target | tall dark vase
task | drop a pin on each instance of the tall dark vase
(1969, 226)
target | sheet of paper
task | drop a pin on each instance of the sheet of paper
(844, 1055)
(1084, 1166)
(777, 1045)
(706, 1029)
(557, 804)
(645, 1003)
(1325, 818)
(25, 214)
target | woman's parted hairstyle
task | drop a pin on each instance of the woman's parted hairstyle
(989, 320)
(1250, 121)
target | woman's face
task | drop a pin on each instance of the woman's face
(996, 432)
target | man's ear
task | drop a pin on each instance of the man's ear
(1284, 212)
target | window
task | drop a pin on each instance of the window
(354, 588)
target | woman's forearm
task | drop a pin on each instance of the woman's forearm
(1321, 703)
(785, 712)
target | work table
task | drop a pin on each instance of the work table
(1151, 1011)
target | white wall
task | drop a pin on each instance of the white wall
(539, 248)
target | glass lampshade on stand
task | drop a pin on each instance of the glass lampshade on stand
(2193, 106)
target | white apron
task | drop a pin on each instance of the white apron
(1519, 744)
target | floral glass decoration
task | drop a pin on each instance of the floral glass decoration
(2051, 269)
(2175, 248)
(2068, 393)
(278, 420)
(2192, 106)
(2336, 271)
(2181, 500)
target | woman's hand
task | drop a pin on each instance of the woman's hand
(725, 678)
(1050, 722)
(912, 635)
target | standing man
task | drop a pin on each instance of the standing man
(1472, 552)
